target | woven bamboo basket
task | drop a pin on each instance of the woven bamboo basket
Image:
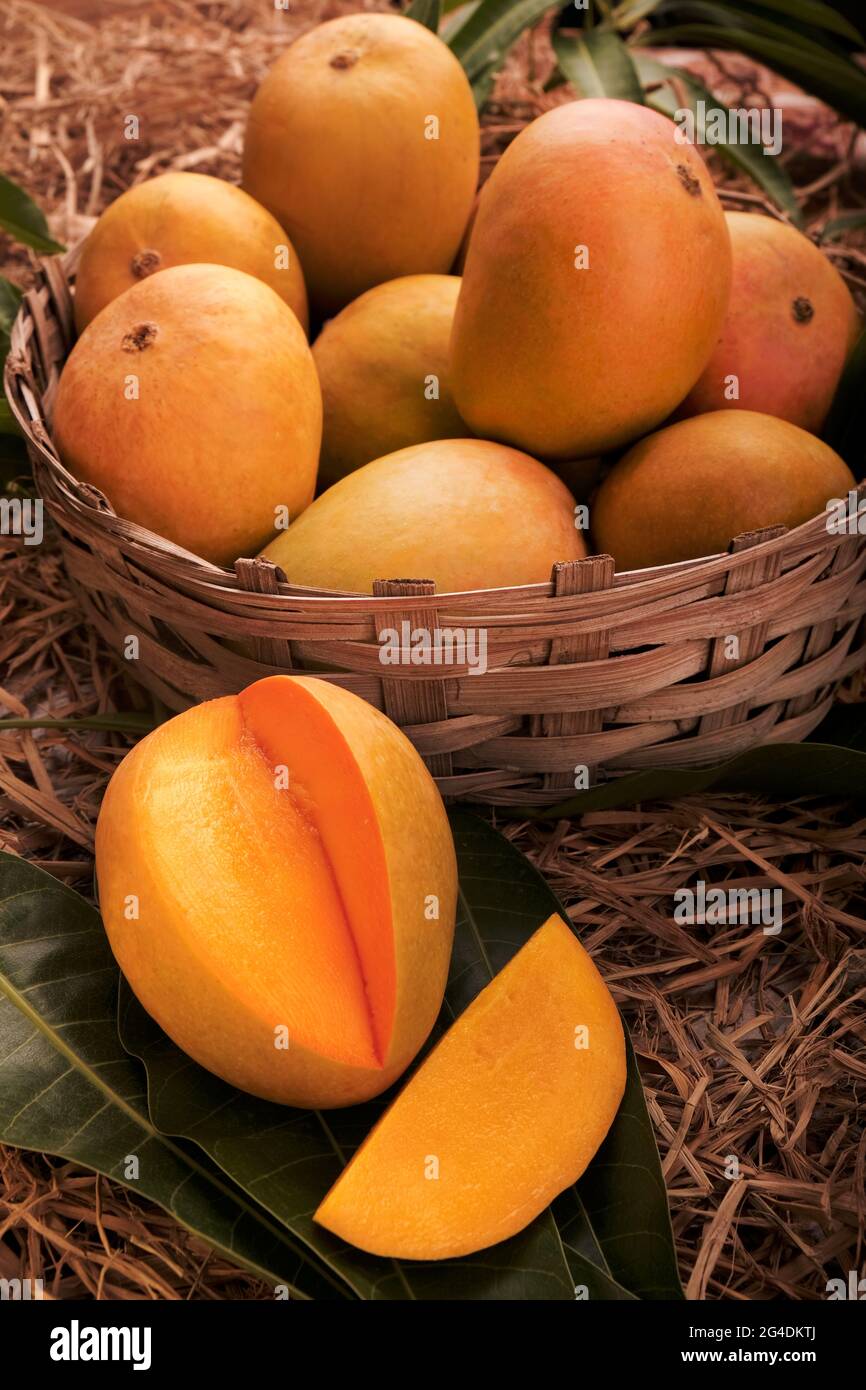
(591, 675)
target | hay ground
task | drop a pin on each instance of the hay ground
(751, 1048)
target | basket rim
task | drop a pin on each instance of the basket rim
(95, 511)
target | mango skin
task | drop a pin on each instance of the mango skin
(162, 401)
(182, 218)
(790, 325)
(336, 149)
(566, 362)
(466, 513)
(215, 1007)
(689, 490)
(374, 360)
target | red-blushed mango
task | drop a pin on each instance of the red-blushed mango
(383, 369)
(508, 1104)
(691, 488)
(192, 402)
(595, 284)
(181, 218)
(790, 325)
(363, 142)
(465, 513)
(294, 884)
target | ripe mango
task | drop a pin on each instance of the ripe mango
(383, 369)
(790, 325)
(504, 1114)
(595, 284)
(192, 402)
(688, 490)
(465, 513)
(181, 218)
(363, 142)
(278, 883)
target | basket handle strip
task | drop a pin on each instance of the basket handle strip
(415, 701)
(751, 640)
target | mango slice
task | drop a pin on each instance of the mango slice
(278, 883)
(506, 1111)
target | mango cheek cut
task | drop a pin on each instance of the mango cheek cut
(506, 1111)
(278, 884)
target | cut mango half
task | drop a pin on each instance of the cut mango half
(278, 882)
(506, 1111)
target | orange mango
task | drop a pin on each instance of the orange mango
(278, 882)
(595, 284)
(192, 402)
(363, 142)
(180, 218)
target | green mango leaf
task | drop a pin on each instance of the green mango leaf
(114, 723)
(427, 12)
(630, 1220)
(455, 14)
(287, 1159)
(629, 13)
(482, 39)
(780, 770)
(678, 85)
(812, 13)
(24, 220)
(10, 299)
(812, 20)
(598, 64)
(844, 727)
(845, 222)
(845, 423)
(67, 1087)
(9, 430)
(812, 65)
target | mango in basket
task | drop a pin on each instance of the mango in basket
(192, 402)
(465, 513)
(383, 369)
(363, 142)
(505, 1112)
(688, 490)
(595, 285)
(790, 325)
(181, 219)
(278, 883)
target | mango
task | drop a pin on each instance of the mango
(508, 1106)
(192, 402)
(689, 489)
(466, 513)
(595, 285)
(177, 219)
(383, 369)
(363, 142)
(790, 325)
(278, 883)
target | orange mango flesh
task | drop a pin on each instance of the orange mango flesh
(326, 775)
(262, 906)
(504, 1113)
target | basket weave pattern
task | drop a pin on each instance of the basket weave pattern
(611, 672)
